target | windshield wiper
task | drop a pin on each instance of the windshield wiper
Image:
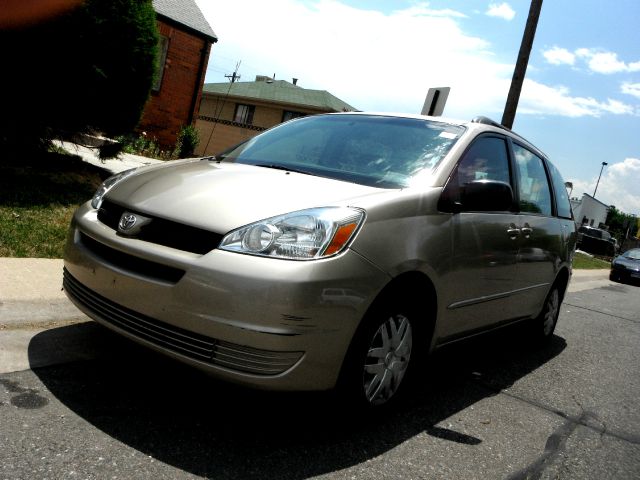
(276, 166)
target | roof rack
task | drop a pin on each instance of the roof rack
(488, 121)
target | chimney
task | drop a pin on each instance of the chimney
(295, 81)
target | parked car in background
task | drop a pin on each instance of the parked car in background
(596, 241)
(330, 251)
(626, 267)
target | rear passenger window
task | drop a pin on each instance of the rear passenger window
(535, 195)
(562, 197)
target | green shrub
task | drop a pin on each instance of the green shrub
(188, 140)
(99, 61)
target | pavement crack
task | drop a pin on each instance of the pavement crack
(609, 314)
(553, 448)
(598, 426)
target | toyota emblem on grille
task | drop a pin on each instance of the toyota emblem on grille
(127, 222)
(131, 223)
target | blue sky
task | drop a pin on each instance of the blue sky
(581, 99)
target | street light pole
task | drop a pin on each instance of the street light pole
(598, 182)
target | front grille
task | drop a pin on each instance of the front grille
(162, 231)
(178, 340)
(130, 263)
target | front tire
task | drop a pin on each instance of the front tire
(387, 360)
(382, 355)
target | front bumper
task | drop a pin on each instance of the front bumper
(262, 322)
(625, 274)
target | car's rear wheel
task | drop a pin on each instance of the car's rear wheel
(545, 324)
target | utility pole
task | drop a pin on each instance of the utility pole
(234, 76)
(598, 182)
(520, 70)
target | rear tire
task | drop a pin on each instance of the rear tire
(545, 324)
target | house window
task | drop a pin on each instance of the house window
(163, 46)
(244, 114)
(289, 115)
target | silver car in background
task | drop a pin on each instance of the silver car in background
(330, 251)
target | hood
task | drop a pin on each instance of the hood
(627, 263)
(223, 196)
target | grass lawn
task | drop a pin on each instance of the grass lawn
(582, 261)
(37, 199)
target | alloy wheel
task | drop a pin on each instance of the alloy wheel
(387, 359)
(551, 312)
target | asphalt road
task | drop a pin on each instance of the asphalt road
(490, 409)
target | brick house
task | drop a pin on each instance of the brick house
(233, 112)
(185, 42)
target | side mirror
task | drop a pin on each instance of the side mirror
(486, 196)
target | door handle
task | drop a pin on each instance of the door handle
(527, 230)
(513, 231)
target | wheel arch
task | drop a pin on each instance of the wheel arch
(562, 281)
(414, 287)
(417, 288)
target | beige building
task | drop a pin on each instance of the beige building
(234, 112)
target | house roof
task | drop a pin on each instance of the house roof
(186, 13)
(279, 91)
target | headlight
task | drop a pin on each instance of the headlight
(107, 185)
(302, 235)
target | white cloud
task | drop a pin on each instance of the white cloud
(378, 61)
(606, 62)
(559, 56)
(602, 61)
(502, 10)
(541, 99)
(631, 89)
(618, 185)
(372, 60)
(424, 10)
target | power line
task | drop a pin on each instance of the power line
(234, 76)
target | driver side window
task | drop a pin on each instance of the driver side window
(486, 159)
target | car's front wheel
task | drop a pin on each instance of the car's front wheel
(387, 359)
(381, 356)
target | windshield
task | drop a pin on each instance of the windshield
(633, 254)
(372, 150)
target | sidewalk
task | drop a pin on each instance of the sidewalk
(125, 161)
(32, 300)
(31, 293)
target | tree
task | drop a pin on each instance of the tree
(621, 225)
(88, 70)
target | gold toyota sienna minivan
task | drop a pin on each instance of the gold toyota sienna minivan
(330, 251)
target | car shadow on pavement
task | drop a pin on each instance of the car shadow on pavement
(184, 418)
